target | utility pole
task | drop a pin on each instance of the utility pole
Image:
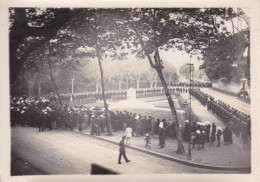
(189, 149)
(190, 89)
(72, 84)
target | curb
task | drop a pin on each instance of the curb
(167, 157)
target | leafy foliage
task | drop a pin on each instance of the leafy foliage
(219, 57)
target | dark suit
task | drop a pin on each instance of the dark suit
(122, 151)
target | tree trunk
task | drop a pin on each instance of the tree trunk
(39, 88)
(151, 84)
(72, 85)
(170, 80)
(119, 85)
(138, 82)
(107, 114)
(54, 84)
(29, 90)
(157, 65)
(97, 84)
(155, 80)
(173, 110)
(127, 83)
(155, 84)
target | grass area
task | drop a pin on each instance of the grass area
(148, 112)
(193, 116)
(158, 113)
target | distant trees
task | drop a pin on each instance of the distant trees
(185, 70)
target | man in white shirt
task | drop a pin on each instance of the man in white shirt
(128, 135)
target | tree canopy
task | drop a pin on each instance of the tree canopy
(219, 57)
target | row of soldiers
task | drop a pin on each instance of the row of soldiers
(240, 123)
(88, 97)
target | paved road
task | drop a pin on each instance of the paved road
(231, 100)
(67, 152)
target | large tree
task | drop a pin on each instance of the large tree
(96, 33)
(156, 29)
(37, 24)
(185, 70)
(219, 57)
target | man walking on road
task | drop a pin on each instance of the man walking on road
(122, 150)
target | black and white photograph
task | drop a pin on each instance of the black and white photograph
(129, 90)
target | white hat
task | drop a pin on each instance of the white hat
(198, 123)
(22, 111)
(146, 134)
(198, 131)
(101, 115)
(137, 117)
(93, 116)
(186, 121)
(219, 128)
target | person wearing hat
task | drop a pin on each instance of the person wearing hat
(198, 139)
(219, 133)
(122, 150)
(212, 138)
(186, 131)
(92, 125)
(156, 127)
(203, 138)
(227, 134)
(161, 135)
(207, 131)
(138, 125)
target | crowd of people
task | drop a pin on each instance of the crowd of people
(42, 113)
(39, 112)
(238, 122)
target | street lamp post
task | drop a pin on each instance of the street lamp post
(189, 150)
(190, 89)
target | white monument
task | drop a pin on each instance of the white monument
(131, 94)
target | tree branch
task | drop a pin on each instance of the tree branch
(142, 44)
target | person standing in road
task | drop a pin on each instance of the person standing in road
(122, 150)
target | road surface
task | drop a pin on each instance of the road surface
(231, 100)
(68, 152)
